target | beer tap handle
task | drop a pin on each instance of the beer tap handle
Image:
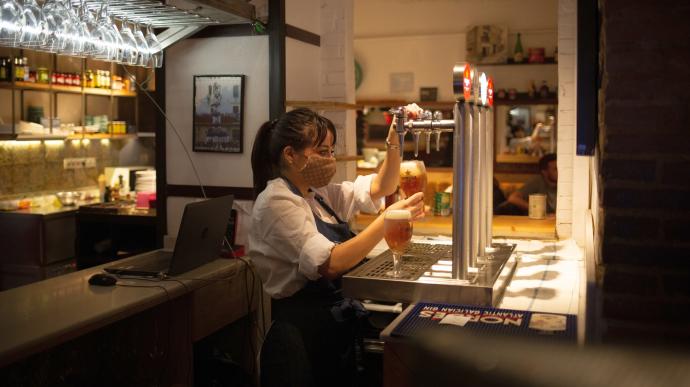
(400, 127)
(416, 143)
(428, 141)
(438, 140)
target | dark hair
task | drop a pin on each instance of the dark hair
(299, 128)
(545, 160)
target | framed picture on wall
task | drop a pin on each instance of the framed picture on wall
(218, 113)
(487, 44)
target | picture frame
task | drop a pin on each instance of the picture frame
(487, 44)
(218, 113)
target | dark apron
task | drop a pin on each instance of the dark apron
(326, 320)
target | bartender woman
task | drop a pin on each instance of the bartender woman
(301, 244)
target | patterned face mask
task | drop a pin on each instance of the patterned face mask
(318, 171)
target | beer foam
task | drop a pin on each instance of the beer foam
(410, 168)
(398, 214)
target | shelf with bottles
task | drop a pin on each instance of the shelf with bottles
(75, 96)
(21, 85)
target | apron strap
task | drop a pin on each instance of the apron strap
(326, 207)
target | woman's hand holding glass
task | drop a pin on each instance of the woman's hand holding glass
(397, 228)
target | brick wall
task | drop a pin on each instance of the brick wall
(645, 170)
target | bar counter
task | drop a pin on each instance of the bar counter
(47, 314)
(503, 226)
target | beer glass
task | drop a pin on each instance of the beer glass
(397, 230)
(412, 177)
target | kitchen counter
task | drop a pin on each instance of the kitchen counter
(503, 226)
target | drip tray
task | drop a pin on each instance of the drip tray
(426, 277)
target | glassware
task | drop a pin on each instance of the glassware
(58, 25)
(130, 53)
(412, 177)
(105, 42)
(155, 48)
(76, 35)
(142, 46)
(397, 230)
(10, 22)
(32, 33)
(89, 26)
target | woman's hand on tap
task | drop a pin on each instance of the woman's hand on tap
(413, 111)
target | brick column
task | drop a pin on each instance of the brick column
(645, 164)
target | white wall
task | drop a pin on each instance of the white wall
(394, 36)
(303, 60)
(378, 18)
(225, 55)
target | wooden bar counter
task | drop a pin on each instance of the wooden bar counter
(503, 226)
(139, 332)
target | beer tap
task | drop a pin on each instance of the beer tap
(401, 115)
(438, 116)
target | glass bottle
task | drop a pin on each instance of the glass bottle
(519, 54)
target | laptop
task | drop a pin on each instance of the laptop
(199, 240)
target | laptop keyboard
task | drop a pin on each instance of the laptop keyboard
(156, 261)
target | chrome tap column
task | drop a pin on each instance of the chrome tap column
(427, 264)
(489, 129)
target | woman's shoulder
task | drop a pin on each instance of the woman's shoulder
(276, 195)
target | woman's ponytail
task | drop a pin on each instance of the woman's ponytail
(262, 167)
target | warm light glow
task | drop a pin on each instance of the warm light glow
(467, 82)
(76, 142)
(54, 143)
(21, 144)
(490, 92)
(86, 142)
(105, 141)
(483, 87)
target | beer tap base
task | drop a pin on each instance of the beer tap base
(426, 277)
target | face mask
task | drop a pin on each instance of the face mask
(318, 171)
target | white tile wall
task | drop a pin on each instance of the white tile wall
(568, 173)
(337, 76)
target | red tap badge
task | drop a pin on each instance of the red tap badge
(467, 82)
(490, 92)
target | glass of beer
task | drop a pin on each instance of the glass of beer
(412, 177)
(397, 230)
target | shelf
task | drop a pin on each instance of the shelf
(324, 105)
(31, 86)
(525, 99)
(20, 85)
(517, 159)
(348, 158)
(547, 61)
(97, 91)
(101, 136)
(124, 93)
(67, 89)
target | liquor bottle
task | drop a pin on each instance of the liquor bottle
(27, 71)
(18, 69)
(519, 54)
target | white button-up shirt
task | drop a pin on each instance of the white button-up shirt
(284, 243)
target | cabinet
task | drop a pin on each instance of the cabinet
(516, 115)
(36, 245)
(69, 103)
